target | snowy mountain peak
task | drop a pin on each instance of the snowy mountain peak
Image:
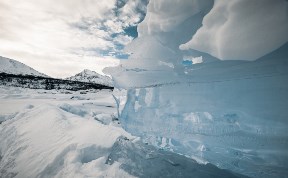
(91, 77)
(11, 66)
(89, 73)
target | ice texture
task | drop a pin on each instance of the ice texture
(242, 29)
(230, 113)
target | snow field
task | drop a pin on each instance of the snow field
(49, 139)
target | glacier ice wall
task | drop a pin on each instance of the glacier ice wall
(237, 121)
(230, 113)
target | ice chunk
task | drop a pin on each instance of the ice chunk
(229, 113)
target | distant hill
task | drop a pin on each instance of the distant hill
(91, 77)
(17, 74)
(47, 83)
(11, 66)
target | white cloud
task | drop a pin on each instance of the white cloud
(123, 39)
(49, 35)
(242, 29)
(63, 65)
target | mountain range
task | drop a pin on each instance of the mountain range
(91, 77)
(10, 66)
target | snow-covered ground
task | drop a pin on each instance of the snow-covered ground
(54, 135)
(49, 133)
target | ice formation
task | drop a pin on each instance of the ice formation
(242, 29)
(230, 113)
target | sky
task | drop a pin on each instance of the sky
(62, 38)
